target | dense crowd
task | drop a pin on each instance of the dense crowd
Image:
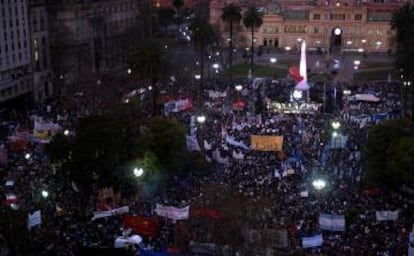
(282, 178)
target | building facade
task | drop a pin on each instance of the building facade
(357, 26)
(40, 50)
(92, 37)
(15, 53)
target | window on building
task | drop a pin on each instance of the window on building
(316, 16)
(358, 16)
(315, 30)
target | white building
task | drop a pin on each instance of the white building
(15, 55)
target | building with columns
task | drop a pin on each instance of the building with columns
(343, 25)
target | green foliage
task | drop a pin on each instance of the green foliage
(152, 63)
(203, 33)
(107, 147)
(252, 19)
(390, 154)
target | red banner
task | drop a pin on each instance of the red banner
(142, 225)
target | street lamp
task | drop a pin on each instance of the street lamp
(347, 92)
(238, 88)
(66, 132)
(138, 172)
(27, 156)
(129, 71)
(357, 62)
(273, 60)
(335, 125)
(45, 194)
(197, 76)
(319, 184)
(201, 119)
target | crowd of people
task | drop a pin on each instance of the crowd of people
(284, 179)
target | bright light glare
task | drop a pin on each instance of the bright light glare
(319, 184)
(336, 124)
(138, 172)
(201, 119)
(45, 194)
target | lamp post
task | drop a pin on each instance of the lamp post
(406, 85)
(238, 88)
(335, 125)
(197, 77)
(138, 172)
(45, 194)
(201, 119)
(319, 184)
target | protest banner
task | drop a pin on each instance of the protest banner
(172, 212)
(142, 225)
(266, 142)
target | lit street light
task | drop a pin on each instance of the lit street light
(138, 172)
(201, 119)
(66, 132)
(238, 88)
(27, 156)
(319, 184)
(273, 60)
(335, 125)
(129, 71)
(45, 194)
(197, 76)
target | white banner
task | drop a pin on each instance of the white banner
(122, 242)
(219, 159)
(192, 143)
(236, 143)
(116, 211)
(34, 219)
(304, 193)
(312, 241)
(172, 212)
(238, 156)
(332, 222)
(207, 146)
(386, 215)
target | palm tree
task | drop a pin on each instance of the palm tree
(202, 36)
(252, 19)
(151, 62)
(231, 14)
(403, 22)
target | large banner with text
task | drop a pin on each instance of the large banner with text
(266, 142)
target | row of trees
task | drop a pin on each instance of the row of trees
(106, 148)
(403, 23)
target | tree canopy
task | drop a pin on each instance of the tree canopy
(403, 23)
(231, 14)
(390, 154)
(252, 19)
(106, 148)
